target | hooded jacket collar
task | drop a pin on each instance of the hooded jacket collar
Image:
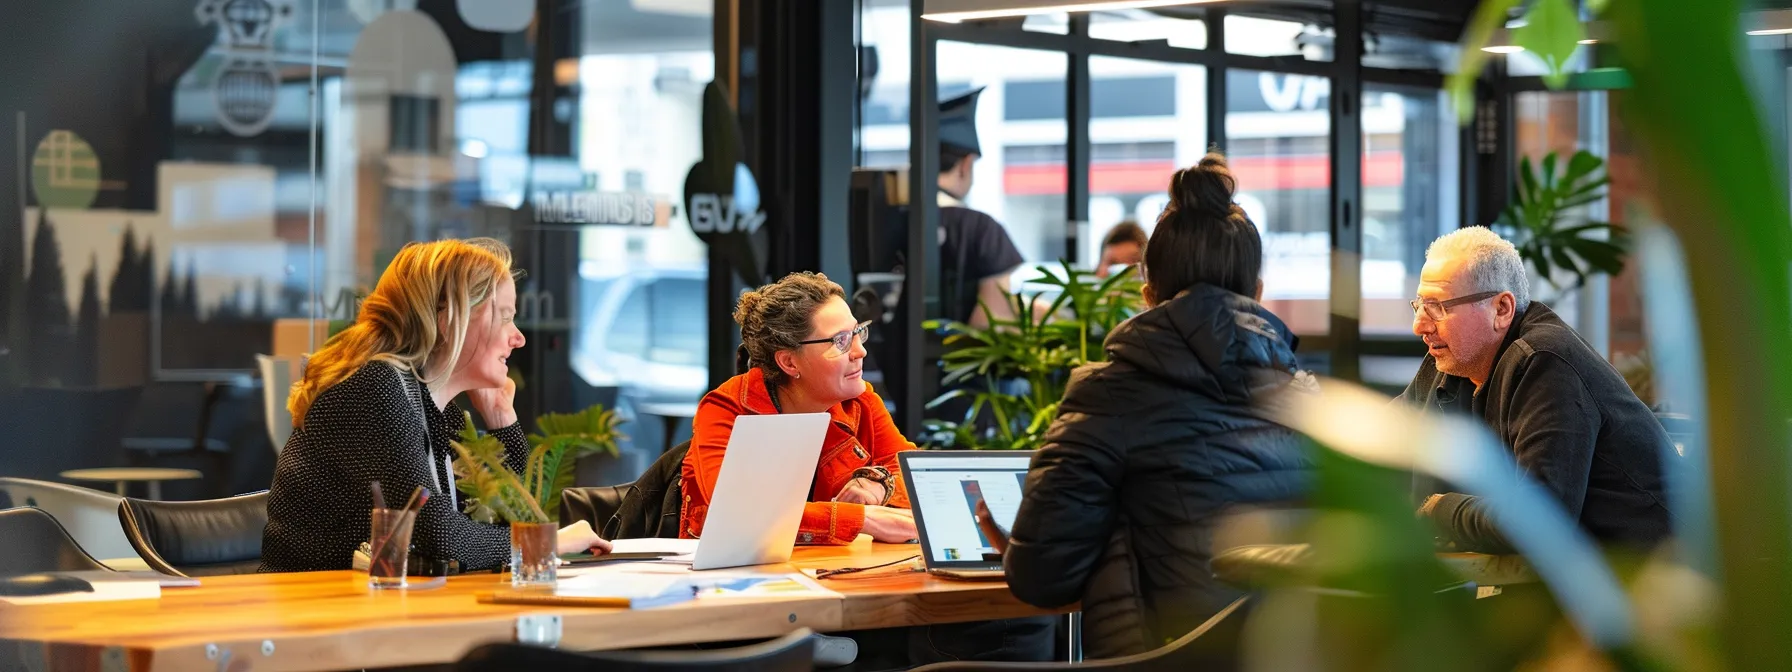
(1220, 344)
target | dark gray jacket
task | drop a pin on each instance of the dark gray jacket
(1148, 450)
(1572, 424)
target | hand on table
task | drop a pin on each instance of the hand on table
(890, 525)
(578, 538)
(864, 491)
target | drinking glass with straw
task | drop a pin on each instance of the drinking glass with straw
(389, 541)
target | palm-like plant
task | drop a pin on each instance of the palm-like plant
(1550, 233)
(1035, 350)
(495, 493)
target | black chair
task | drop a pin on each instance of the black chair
(1212, 647)
(174, 424)
(646, 508)
(35, 542)
(794, 652)
(213, 537)
(594, 505)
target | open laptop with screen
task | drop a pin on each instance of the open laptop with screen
(943, 489)
(757, 506)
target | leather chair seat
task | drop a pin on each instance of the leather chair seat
(212, 537)
(592, 504)
(1263, 565)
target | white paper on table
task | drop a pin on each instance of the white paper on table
(714, 584)
(622, 584)
(736, 584)
(103, 591)
(673, 546)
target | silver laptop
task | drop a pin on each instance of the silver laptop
(757, 506)
(944, 487)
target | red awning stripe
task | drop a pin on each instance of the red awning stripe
(1255, 173)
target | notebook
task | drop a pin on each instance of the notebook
(612, 590)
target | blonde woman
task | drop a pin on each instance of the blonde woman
(374, 405)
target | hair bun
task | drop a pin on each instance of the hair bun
(1205, 188)
(745, 310)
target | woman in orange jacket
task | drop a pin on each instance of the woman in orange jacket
(807, 352)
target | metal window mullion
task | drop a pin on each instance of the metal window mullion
(1347, 189)
(1077, 152)
(921, 286)
(1216, 80)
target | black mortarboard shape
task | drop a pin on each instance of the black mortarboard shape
(958, 122)
(737, 229)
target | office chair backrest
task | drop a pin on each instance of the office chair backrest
(35, 542)
(1212, 646)
(89, 516)
(794, 652)
(653, 504)
(212, 537)
(277, 377)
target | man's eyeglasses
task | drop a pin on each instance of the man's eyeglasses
(843, 341)
(1438, 310)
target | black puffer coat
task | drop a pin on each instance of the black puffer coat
(1147, 450)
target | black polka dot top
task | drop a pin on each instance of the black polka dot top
(372, 426)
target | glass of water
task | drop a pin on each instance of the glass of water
(389, 547)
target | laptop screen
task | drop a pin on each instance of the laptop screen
(944, 487)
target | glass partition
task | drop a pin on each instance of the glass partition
(187, 205)
(1410, 197)
(1278, 136)
(1147, 119)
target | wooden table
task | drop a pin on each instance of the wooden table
(331, 620)
(1489, 570)
(122, 476)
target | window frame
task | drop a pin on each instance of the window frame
(1341, 348)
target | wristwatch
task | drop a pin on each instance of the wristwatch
(876, 475)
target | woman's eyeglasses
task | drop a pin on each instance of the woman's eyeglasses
(1438, 310)
(844, 340)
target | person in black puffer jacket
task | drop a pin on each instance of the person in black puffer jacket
(1151, 446)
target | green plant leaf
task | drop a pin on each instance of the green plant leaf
(1552, 31)
(1540, 207)
(1582, 164)
(1490, 16)
(1527, 181)
(1548, 166)
(1579, 201)
(948, 396)
(499, 489)
(1691, 112)
(1041, 347)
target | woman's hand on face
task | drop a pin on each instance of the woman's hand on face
(496, 405)
(863, 491)
(890, 525)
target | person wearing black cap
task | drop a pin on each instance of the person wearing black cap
(976, 254)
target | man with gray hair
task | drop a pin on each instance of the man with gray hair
(1570, 420)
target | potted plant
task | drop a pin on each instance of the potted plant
(1545, 221)
(529, 501)
(1014, 370)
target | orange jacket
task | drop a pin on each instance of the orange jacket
(862, 435)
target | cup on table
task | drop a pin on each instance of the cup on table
(389, 547)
